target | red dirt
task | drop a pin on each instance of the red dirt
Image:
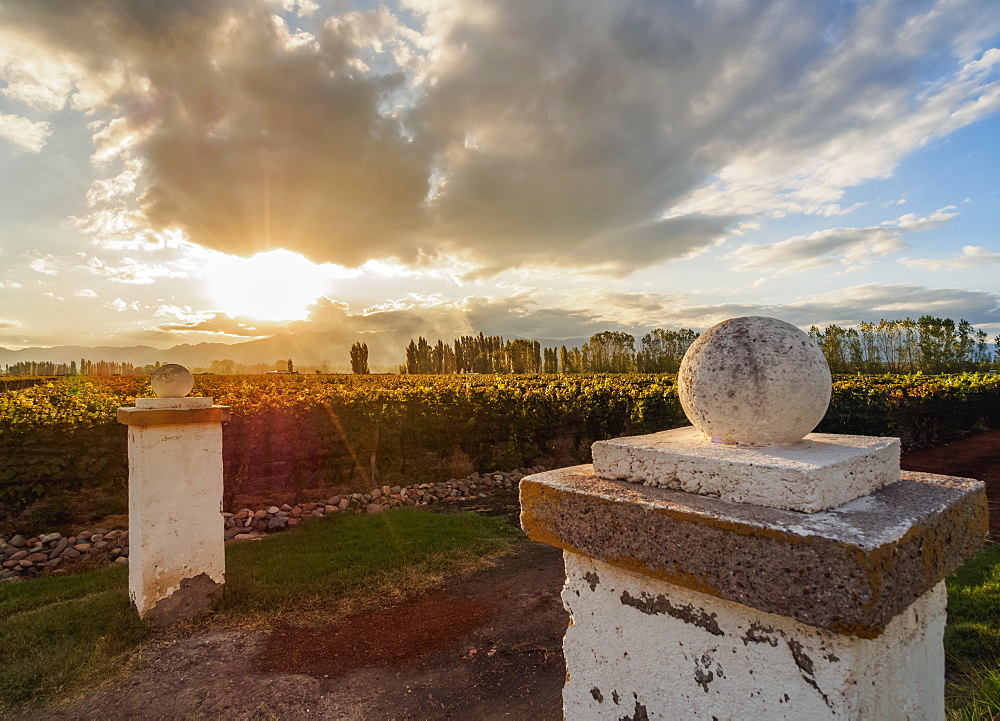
(976, 456)
(420, 626)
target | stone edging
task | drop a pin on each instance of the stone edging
(53, 554)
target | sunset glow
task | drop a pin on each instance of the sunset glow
(278, 285)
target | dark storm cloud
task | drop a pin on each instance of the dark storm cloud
(600, 135)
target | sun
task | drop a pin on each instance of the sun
(277, 285)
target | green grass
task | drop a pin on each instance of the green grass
(972, 638)
(58, 634)
(61, 635)
(358, 561)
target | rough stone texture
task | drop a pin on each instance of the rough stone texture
(819, 472)
(168, 416)
(175, 475)
(639, 648)
(173, 403)
(754, 381)
(850, 569)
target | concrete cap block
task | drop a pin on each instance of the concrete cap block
(173, 403)
(850, 569)
(821, 471)
(173, 416)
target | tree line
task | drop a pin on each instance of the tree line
(927, 344)
(86, 368)
(660, 351)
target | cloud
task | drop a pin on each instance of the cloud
(851, 247)
(973, 256)
(846, 306)
(133, 271)
(603, 135)
(44, 265)
(29, 135)
(8, 324)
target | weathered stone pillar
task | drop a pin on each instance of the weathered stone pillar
(176, 551)
(708, 580)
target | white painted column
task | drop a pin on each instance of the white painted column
(176, 550)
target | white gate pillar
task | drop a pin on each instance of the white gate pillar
(176, 550)
(736, 580)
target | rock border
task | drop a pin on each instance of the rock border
(54, 554)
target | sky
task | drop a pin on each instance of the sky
(224, 170)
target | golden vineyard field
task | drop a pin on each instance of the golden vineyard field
(60, 435)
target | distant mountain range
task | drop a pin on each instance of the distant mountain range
(313, 348)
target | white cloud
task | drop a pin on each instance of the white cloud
(133, 271)
(120, 305)
(913, 223)
(846, 306)
(972, 256)
(85, 293)
(45, 265)
(851, 247)
(30, 135)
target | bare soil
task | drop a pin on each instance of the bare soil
(975, 456)
(487, 645)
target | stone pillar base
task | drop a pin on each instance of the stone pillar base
(642, 648)
(176, 550)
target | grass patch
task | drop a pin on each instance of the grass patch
(61, 635)
(340, 565)
(972, 638)
(58, 635)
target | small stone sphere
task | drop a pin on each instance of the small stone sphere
(754, 381)
(172, 381)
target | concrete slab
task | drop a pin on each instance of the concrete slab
(821, 471)
(173, 416)
(850, 569)
(173, 403)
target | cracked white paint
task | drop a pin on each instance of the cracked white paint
(175, 496)
(818, 473)
(678, 654)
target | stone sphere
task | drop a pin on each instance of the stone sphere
(172, 381)
(754, 381)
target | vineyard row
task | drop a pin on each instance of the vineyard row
(61, 436)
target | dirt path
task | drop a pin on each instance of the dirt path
(499, 658)
(507, 663)
(976, 456)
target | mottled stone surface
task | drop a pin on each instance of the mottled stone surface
(638, 648)
(173, 416)
(849, 570)
(173, 403)
(817, 473)
(754, 381)
(172, 381)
